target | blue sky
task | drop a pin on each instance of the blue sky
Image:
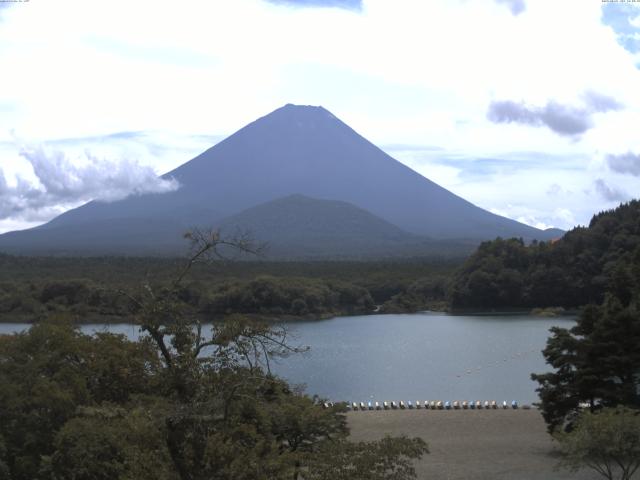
(526, 108)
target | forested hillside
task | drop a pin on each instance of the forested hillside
(572, 271)
(597, 361)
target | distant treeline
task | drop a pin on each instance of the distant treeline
(573, 271)
(95, 289)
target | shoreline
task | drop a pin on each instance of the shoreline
(113, 320)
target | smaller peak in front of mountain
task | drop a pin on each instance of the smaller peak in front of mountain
(300, 199)
(301, 213)
(300, 226)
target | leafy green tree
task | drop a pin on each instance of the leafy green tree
(607, 442)
(108, 443)
(389, 458)
(41, 384)
(597, 361)
(229, 417)
(493, 277)
(423, 294)
(50, 371)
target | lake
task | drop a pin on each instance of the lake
(423, 356)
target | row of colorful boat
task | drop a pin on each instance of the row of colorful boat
(433, 405)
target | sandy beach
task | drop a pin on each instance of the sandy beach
(472, 444)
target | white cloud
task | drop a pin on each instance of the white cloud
(96, 178)
(562, 218)
(62, 183)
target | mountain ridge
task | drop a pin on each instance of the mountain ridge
(293, 150)
(298, 226)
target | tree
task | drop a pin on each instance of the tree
(111, 442)
(597, 362)
(607, 442)
(229, 417)
(50, 371)
(389, 458)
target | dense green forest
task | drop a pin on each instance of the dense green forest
(185, 402)
(597, 361)
(91, 289)
(573, 271)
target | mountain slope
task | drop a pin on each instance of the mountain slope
(302, 227)
(295, 149)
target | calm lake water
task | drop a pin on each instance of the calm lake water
(425, 356)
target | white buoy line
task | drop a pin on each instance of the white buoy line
(432, 405)
(497, 363)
